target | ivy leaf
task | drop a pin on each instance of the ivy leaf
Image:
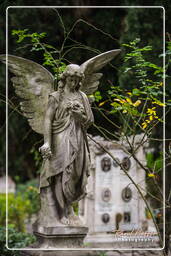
(136, 92)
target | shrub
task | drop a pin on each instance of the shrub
(29, 191)
(21, 206)
(17, 210)
(15, 240)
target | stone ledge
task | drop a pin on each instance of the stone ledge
(59, 230)
(90, 253)
(59, 237)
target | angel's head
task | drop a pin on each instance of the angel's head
(72, 77)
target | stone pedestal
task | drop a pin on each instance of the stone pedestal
(94, 253)
(66, 253)
(59, 237)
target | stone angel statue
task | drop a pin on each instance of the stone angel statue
(63, 117)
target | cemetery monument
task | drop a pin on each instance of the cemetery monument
(63, 117)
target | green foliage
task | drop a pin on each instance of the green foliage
(154, 164)
(142, 103)
(75, 208)
(146, 24)
(168, 53)
(29, 192)
(57, 65)
(168, 68)
(139, 23)
(129, 24)
(37, 157)
(102, 254)
(97, 96)
(20, 206)
(18, 209)
(35, 37)
(15, 240)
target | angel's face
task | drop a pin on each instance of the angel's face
(72, 82)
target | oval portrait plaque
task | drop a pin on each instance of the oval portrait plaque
(106, 195)
(126, 163)
(106, 164)
(105, 217)
(126, 194)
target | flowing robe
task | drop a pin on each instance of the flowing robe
(68, 168)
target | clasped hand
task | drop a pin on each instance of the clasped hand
(77, 109)
(45, 151)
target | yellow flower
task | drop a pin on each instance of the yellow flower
(144, 125)
(124, 111)
(148, 214)
(129, 101)
(102, 103)
(137, 103)
(151, 175)
(159, 103)
(121, 101)
(151, 111)
(156, 117)
(129, 93)
(151, 118)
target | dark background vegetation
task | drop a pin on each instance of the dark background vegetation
(124, 24)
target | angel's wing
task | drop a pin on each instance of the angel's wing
(92, 65)
(32, 83)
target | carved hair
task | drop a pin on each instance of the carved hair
(71, 70)
(61, 86)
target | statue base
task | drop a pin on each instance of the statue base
(68, 253)
(63, 237)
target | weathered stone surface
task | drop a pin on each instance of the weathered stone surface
(92, 253)
(63, 117)
(121, 241)
(60, 241)
(112, 201)
(59, 230)
(61, 253)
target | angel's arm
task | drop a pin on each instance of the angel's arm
(49, 116)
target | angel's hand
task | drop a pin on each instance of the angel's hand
(77, 107)
(69, 105)
(79, 113)
(45, 151)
